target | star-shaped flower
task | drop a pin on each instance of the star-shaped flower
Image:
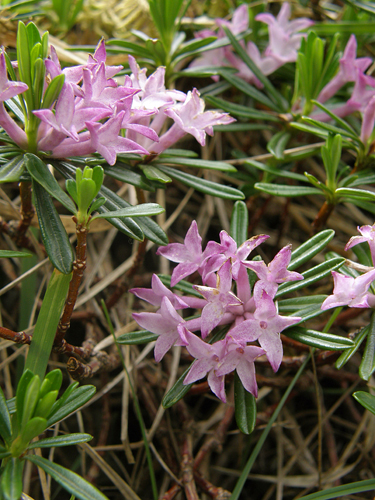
(165, 323)
(155, 295)
(207, 361)
(219, 299)
(352, 292)
(265, 326)
(367, 234)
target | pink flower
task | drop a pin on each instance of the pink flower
(166, 323)
(207, 362)
(189, 255)
(190, 118)
(350, 69)
(265, 326)
(241, 357)
(155, 295)
(367, 234)
(352, 292)
(219, 299)
(283, 34)
(276, 272)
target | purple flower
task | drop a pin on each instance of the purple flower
(352, 292)
(207, 362)
(189, 255)
(265, 326)
(155, 295)
(276, 272)
(350, 70)
(219, 299)
(166, 323)
(367, 234)
(283, 34)
(241, 357)
(227, 249)
(190, 118)
(368, 121)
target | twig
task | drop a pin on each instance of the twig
(79, 265)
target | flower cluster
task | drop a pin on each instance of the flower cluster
(251, 315)
(352, 70)
(93, 113)
(350, 291)
(284, 42)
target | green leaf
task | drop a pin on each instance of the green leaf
(241, 111)
(317, 339)
(277, 172)
(5, 422)
(348, 27)
(72, 403)
(11, 479)
(145, 209)
(154, 174)
(276, 97)
(204, 186)
(52, 382)
(32, 429)
(244, 406)
(54, 236)
(12, 171)
(248, 90)
(330, 128)
(58, 441)
(23, 55)
(45, 404)
(287, 191)
(188, 162)
(239, 222)
(30, 400)
(21, 393)
(342, 123)
(183, 286)
(342, 491)
(137, 338)
(365, 399)
(367, 366)
(69, 480)
(355, 194)
(41, 174)
(310, 248)
(124, 173)
(311, 276)
(46, 325)
(278, 143)
(9, 254)
(177, 392)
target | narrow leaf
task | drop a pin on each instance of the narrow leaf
(310, 248)
(212, 165)
(367, 366)
(41, 174)
(287, 191)
(58, 441)
(46, 325)
(9, 254)
(204, 186)
(145, 209)
(69, 480)
(317, 339)
(53, 233)
(365, 399)
(12, 171)
(11, 479)
(76, 399)
(137, 338)
(244, 406)
(5, 422)
(177, 392)
(278, 143)
(239, 222)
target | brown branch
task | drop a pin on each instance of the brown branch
(322, 217)
(79, 265)
(27, 211)
(216, 493)
(187, 469)
(100, 362)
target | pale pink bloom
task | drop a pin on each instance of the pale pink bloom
(368, 121)
(241, 357)
(166, 323)
(207, 362)
(367, 234)
(352, 292)
(155, 294)
(265, 326)
(218, 299)
(190, 118)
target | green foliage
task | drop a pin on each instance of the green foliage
(34, 399)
